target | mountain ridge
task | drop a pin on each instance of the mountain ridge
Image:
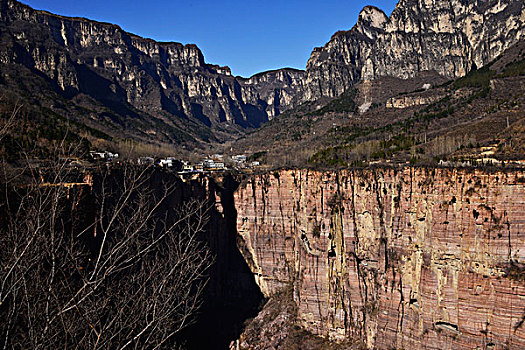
(157, 82)
(449, 37)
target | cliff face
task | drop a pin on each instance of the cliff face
(167, 80)
(411, 258)
(290, 83)
(448, 37)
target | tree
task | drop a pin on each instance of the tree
(101, 266)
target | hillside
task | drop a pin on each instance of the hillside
(378, 92)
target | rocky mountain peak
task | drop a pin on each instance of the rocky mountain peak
(448, 37)
(167, 83)
(371, 16)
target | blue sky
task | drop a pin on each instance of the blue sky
(250, 36)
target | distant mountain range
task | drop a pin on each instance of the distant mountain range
(109, 84)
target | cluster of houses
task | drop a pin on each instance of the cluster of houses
(104, 155)
(241, 162)
(214, 163)
(217, 163)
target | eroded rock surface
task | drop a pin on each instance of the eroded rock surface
(406, 258)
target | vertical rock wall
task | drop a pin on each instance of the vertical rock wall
(161, 78)
(446, 37)
(411, 258)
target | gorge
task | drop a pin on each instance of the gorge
(374, 258)
(401, 227)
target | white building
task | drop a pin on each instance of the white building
(187, 167)
(104, 155)
(167, 162)
(240, 158)
(208, 163)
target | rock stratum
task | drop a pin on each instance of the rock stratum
(448, 38)
(412, 258)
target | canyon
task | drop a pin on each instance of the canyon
(394, 258)
(370, 258)
(386, 257)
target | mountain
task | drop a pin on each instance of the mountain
(447, 38)
(99, 82)
(478, 116)
(128, 86)
(278, 88)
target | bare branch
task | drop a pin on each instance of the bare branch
(134, 285)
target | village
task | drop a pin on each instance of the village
(211, 164)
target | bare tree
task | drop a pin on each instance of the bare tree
(104, 266)
(8, 124)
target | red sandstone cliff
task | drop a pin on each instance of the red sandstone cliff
(411, 258)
